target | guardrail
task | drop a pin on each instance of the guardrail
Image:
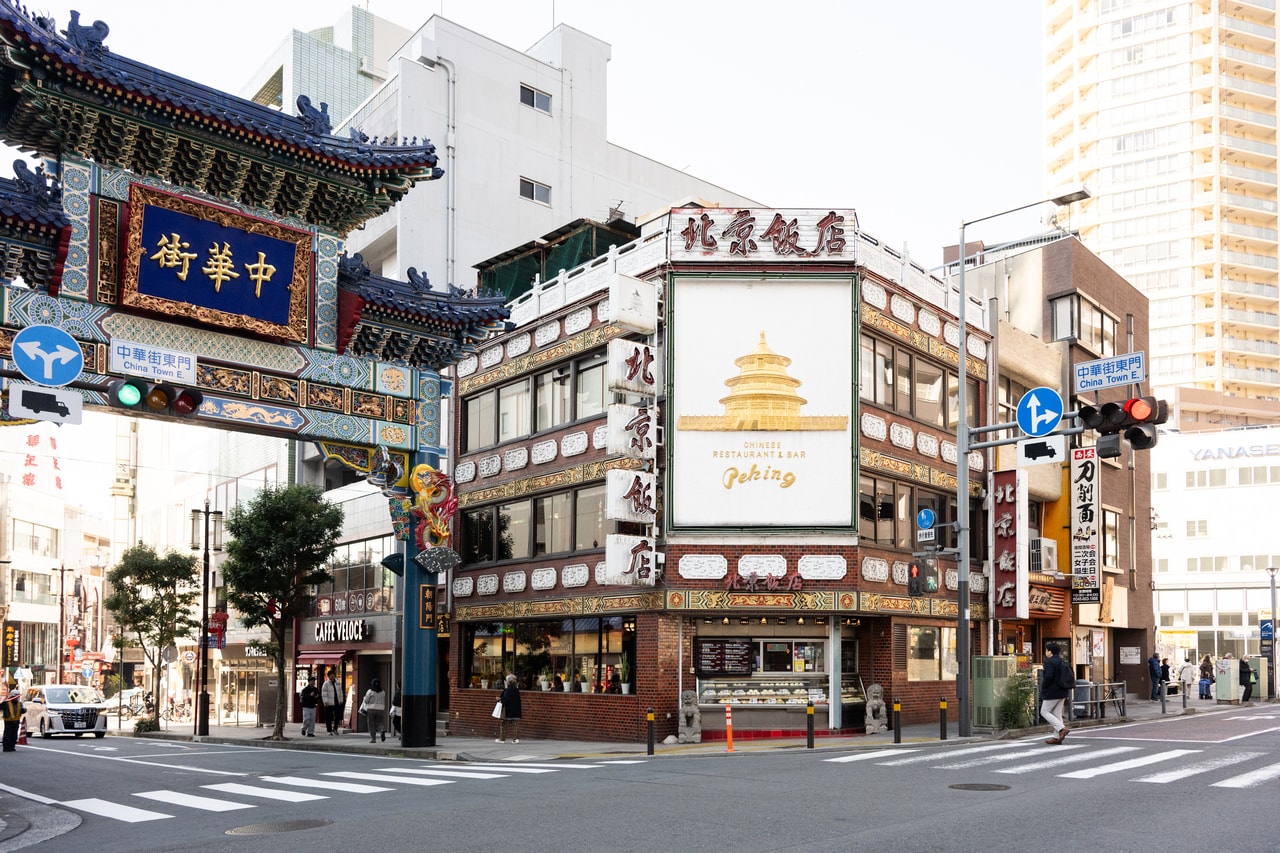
(1101, 697)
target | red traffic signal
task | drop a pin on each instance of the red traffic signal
(1134, 420)
(915, 580)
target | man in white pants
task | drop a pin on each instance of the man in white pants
(1053, 694)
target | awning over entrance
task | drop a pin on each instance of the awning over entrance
(325, 658)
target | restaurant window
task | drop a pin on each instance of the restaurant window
(931, 653)
(556, 523)
(583, 653)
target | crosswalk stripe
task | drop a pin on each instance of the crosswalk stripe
(427, 771)
(383, 777)
(510, 768)
(864, 756)
(995, 759)
(505, 766)
(208, 804)
(1199, 767)
(265, 793)
(973, 750)
(626, 761)
(1069, 759)
(1140, 761)
(115, 811)
(1248, 780)
(325, 784)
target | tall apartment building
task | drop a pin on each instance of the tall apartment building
(1167, 110)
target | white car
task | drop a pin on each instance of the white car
(56, 709)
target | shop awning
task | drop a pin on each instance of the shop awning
(326, 658)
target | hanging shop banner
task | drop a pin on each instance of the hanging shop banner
(629, 561)
(1085, 515)
(633, 430)
(1009, 545)
(631, 496)
(636, 367)
(206, 263)
(633, 304)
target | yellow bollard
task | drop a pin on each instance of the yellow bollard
(728, 727)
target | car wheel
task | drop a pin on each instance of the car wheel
(99, 734)
(44, 731)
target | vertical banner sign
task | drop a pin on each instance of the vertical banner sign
(1085, 514)
(1009, 557)
(427, 606)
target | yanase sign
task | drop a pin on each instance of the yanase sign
(216, 266)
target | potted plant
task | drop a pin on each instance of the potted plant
(544, 678)
(624, 673)
(582, 679)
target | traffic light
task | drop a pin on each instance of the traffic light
(1133, 420)
(932, 577)
(915, 580)
(158, 397)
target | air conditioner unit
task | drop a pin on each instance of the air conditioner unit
(1044, 556)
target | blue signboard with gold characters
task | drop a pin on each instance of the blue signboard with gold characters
(216, 266)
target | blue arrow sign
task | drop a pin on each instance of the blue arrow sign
(46, 355)
(1039, 411)
(925, 518)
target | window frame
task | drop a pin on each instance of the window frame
(537, 192)
(535, 95)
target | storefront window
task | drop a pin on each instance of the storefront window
(575, 651)
(931, 654)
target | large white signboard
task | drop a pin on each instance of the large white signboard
(761, 427)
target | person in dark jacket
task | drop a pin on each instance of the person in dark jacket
(1052, 696)
(510, 721)
(310, 699)
(1153, 669)
(1246, 679)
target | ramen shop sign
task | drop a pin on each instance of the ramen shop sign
(342, 631)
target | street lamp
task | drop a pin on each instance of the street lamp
(210, 544)
(1271, 570)
(962, 470)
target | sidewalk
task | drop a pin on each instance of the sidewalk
(453, 748)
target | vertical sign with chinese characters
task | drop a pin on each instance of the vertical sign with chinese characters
(635, 366)
(1085, 557)
(631, 496)
(1009, 558)
(632, 430)
(630, 561)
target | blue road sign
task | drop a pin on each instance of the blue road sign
(47, 355)
(925, 518)
(1039, 411)
(1267, 629)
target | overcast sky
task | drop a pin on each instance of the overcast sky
(914, 114)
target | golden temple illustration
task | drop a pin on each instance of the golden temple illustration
(762, 397)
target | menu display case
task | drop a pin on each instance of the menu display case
(763, 692)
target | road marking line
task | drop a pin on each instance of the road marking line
(383, 777)
(1070, 759)
(1249, 780)
(996, 759)
(863, 756)
(144, 762)
(506, 766)
(325, 784)
(27, 795)
(115, 811)
(209, 804)
(940, 756)
(626, 761)
(1141, 761)
(513, 768)
(1199, 767)
(266, 793)
(460, 774)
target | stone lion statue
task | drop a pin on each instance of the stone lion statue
(690, 718)
(877, 715)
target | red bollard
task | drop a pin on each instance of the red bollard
(728, 727)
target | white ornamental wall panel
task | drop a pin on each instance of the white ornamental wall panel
(519, 345)
(703, 567)
(874, 293)
(463, 587)
(490, 465)
(635, 367)
(874, 426)
(822, 567)
(465, 472)
(632, 430)
(515, 459)
(901, 572)
(546, 333)
(467, 366)
(577, 321)
(930, 323)
(487, 584)
(600, 437)
(902, 308)
(631, 496)
(491, 356)
(574, 444)
(631, 559)
(927, 444)
(513, 582)
(633, 304)
(544, 451)
(543, 579)
(762, 565)
(575, 575)
(875, 569)
(902, 436)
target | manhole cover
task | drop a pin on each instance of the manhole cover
(278, 826)
(979, 786)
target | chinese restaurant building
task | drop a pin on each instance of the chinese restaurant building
(691, 473)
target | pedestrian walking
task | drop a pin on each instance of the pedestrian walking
(374, 705)
(1153, 669)
(1246, 679)
(1054, 678)
(12, 716)
(510, 721)
(331, 700)
(1164, 675)
(1188, 674)
(310, 698)
(395, 711)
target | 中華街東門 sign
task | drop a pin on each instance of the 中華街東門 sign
(224, 269)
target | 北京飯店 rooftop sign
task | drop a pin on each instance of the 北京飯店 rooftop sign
(737, 234)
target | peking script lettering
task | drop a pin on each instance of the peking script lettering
(733, 476)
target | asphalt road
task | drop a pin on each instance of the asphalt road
(1134, 787)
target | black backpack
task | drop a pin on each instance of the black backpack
(1066, 675)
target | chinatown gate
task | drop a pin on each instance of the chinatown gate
(194, 239)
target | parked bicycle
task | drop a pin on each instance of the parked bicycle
(180, 711)
(139, 705)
